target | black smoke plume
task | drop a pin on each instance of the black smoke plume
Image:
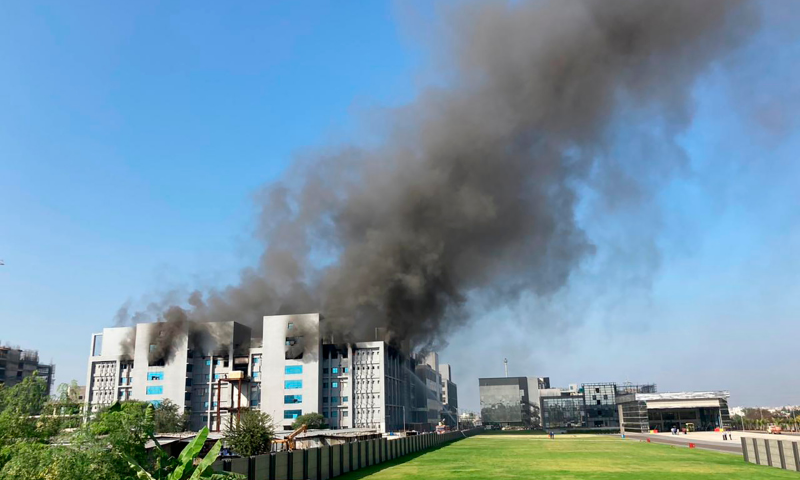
(473, 191)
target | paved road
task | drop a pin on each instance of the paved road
(732, 446)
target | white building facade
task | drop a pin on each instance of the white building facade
(213, 370)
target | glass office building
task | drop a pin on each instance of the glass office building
(565, 411)
(505, 401)
(601, 405)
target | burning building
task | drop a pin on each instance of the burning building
(213, 370)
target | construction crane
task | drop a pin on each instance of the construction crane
(289, 440)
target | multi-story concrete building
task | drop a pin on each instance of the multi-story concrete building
(17, 364)
(449, 396)
(428, 392)
(215, 369)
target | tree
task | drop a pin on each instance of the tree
(126, 427)
(311, 420)
(36, 461)
(251, 434)
(18, 405)
(168, 419)
(185, 467)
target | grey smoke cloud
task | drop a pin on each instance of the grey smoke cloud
(474, 189)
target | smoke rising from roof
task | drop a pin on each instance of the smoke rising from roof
(475, 186)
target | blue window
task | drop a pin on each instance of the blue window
(292, 414)
(205, 404)
(156, 403)
(345, 369)
(292, 399)
(256, 359)
(324, 399)
(291, 384)
(334, 399)
(188, 382)
(344, 399)
(214, 405)
(208, 363)
(256, 374)
(289, 326)
(216, 376)
(334, 370)
(219, 363)
(334, 384)
(293, 369)
(155, 376)
(254, 402)
(334, 414)
(155, 390)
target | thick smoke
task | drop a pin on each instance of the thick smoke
(474, 188)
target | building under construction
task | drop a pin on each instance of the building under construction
(214, 370)
(17, 364)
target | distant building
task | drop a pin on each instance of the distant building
(17, 364)
(213, 370)
(77, 393)
(640, 412)
(505, 401)
(588, 405)
(449, 396)
(469, 420)
(428, 394)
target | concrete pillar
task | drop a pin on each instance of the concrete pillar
(780, 454)
(769, 455)
(744, 449)
(796, 451)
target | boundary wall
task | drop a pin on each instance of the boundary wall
(779, 453)
(322, 463)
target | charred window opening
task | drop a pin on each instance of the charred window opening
(294, 348)
(156, 362)
(241, 364)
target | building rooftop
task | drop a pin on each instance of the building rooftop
(723, 394)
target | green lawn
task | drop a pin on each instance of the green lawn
(566, 457)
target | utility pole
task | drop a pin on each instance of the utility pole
(505, 364)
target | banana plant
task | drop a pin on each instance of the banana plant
(184, 467)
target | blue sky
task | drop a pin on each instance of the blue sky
(133, 137)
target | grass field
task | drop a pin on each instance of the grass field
(566, 457)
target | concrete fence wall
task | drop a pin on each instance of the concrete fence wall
(778, 452)
(328, 462)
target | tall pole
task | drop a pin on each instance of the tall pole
(505, 364)
(404, 418)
